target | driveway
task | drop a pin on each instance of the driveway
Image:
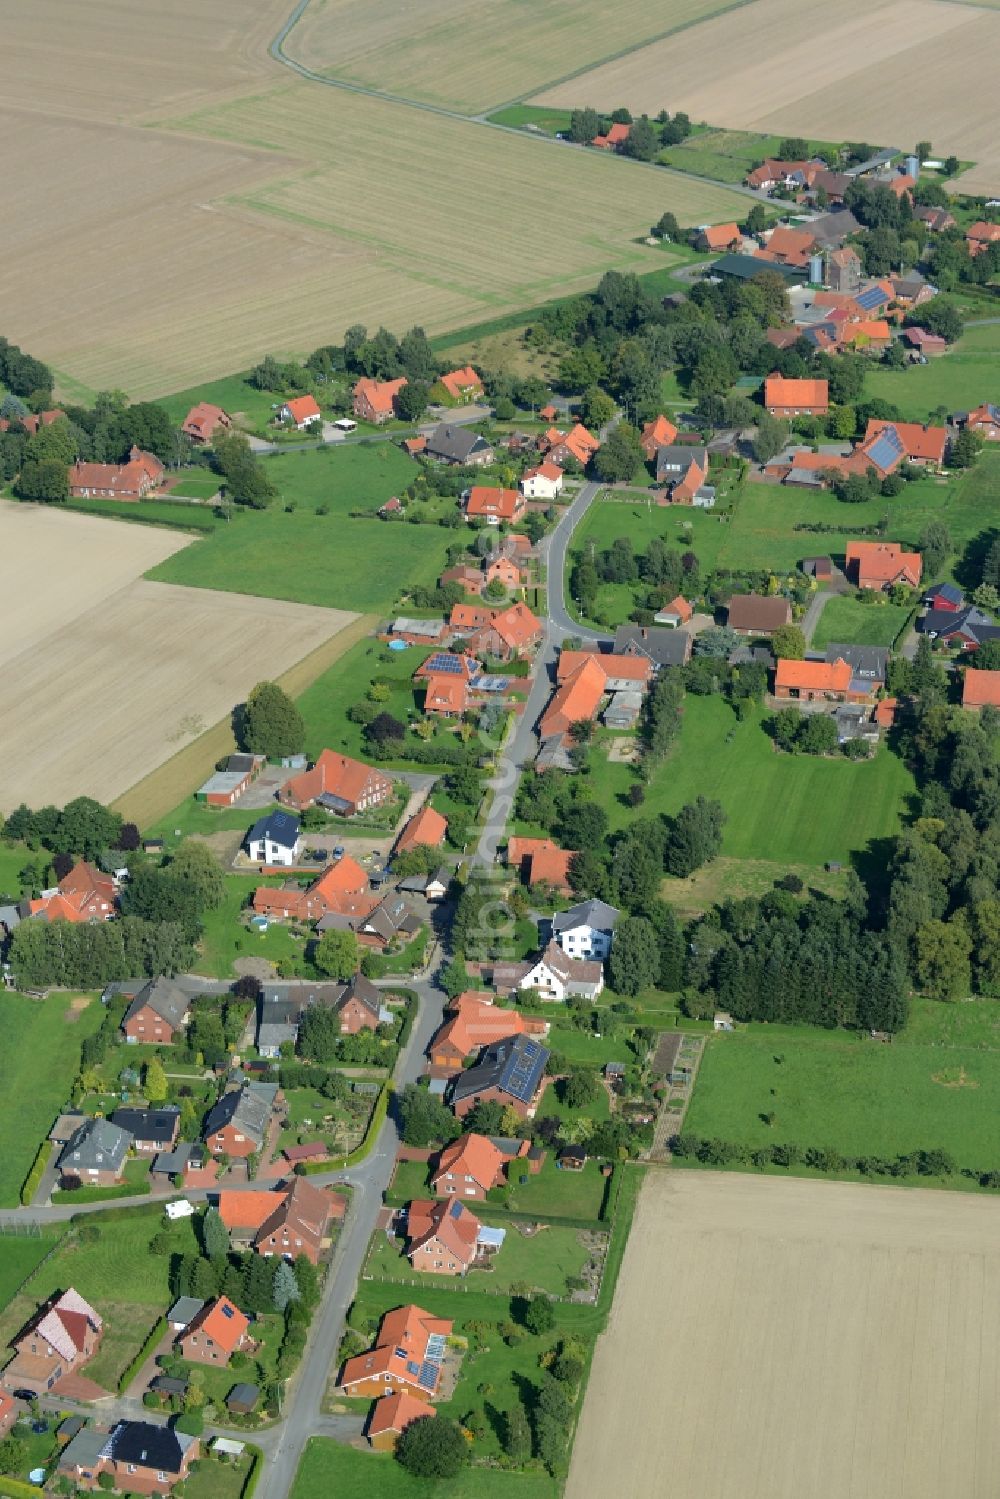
(553, 551)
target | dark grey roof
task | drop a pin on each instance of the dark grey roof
(172, 1162)
(593, 913)
(164, 998)
(149, 1446)
(970, 622)
(745, 267)
(279, 827)
(243, 1394)
(867, 662)
(673, 458)
(163, 1384)
(157, 1125)
(946, 591)
(456, 444)
(833, 228)
(240, 762)
(84, 1449)
(514, 1066)
(664, 647)
(247, 1109)
(185, 1309)
(365, 992)
(391, 917)
(97, 1145)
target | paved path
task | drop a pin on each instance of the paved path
(811, 618)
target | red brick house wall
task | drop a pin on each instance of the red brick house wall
(354, 1016)
(149, 1026)
(434, 1259)
(227, 1141)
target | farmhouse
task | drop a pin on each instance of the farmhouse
(719, 237)
(771, 174)
(157, 1014)
(576, 701)
(425, 829)
(406, 1358)
(920, 443)
(882, 564)
(539, 861)
(463, 385)
(785, 398)
(390, 1417)
(474, 1021)
(622, 673)
(495, 506)
(869, 665)
(586, 930)
(117, 481)
(451, 444)
(341, 888)
(558, 976)
(375, 400)
(275, 839)
(301, 412)
(138, 1457)
(509, 1072)
(95, 1154)
(203, 421)
(980, 689)
(215, 1333)
(339, 784)
(152, 1130)
(758, 614)
(84, 894)
(59, 1340)
(787, 246)
(237, 1124)
(544, 482)
(443, 1237)
(616, 136)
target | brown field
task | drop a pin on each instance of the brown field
(122, 672)
(783, 1339)
(757, 69)
(472, 58)
(211, 208)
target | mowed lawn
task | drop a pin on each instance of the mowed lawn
(542, 1262)
(936, 1086)
(336, 559)
(958, 380)
(39, 1059)
(18, 1257)
(849, 621)
(803, 809)
(328, 1468)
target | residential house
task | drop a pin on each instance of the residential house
(576, 701)
(616, 136)
(360, 1006)
(157, 1014)
(869, 666)
(375, 400)
(289, 1221)
(834, 184)
(389, 1418)
(442, 1237)
(812, 681)
(870, 335)
(497, 507)
(393, 505)
(944, 597)
(539, 861)
(409, 1348)
(204, 420)
(967, 629)
(980, 689)
(912, 290)
(985, 421)
(543, 482)
(471, 580)
(473, 1021)
(787, 398)
(678, 612)
(95, 1154)
(301, 411)
(936, 219)
(662, 647)
(683, 470)
(758, 614)
(786, 246)
(659, 433)
(449, 443)
(519, 631)
(470, 1166)
(339, 784)
(215, 1333)
(463, 385)
(139, 1457)
(342, 888)
(237, 1124)
(275, 839)
(577, 444)
(509, 1072)
(882, 564)
(426, 829)
(152, 1130)
(557, 976)
(117, 481)
(921, 443)
(719, 237)
(831, 229)
(586, 930)
(980, 235)
(84, 894)
(446, 697)
(503, 570)
(622, 673)
(60, 1338)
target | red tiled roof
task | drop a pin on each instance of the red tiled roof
(427, 827)
(795, 394)
(471, 1155)
(302, 408)
(346, 877)
(333, 774)
(540, 861)
(459, 383)
(203, 419)
(446, 694)
(919, 441)
(813, 676)
(517, 626)
(680, 607)
(872, 330)
(380, 394)
(720, 237)
(981, 689)
(396, 1412)
(885, 712)
(247, 1209)
(485, 500)
(576, 699)
(451, 1223)
(658, 433)
(882, 561)
(223, 1322)
(578, 441)
(617, 134)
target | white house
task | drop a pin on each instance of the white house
(559, 977)
(543, 482)
(275, 839)
(586, 930)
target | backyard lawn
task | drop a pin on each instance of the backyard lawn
(849, 620)
(13, 857)
(958, 380)
(543, 1261)
(328, 1468)
(52, 1029)
(550, 1193)
(233, 393)
(936, 1086)
(226, 938)
(802, 809)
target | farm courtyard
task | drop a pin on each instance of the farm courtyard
(778, 1339)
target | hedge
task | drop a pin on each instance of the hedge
(36, 1173)
(16, 1489)
(156, 1332)
(255, 1471)
(101, 1194)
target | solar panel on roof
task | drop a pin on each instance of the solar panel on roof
(873, 297)
(444, 664)
(455, 1211)
(884, 451)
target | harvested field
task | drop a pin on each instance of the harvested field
(811, 1340)
(474, 59)
(113, 688)
(755, 70)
